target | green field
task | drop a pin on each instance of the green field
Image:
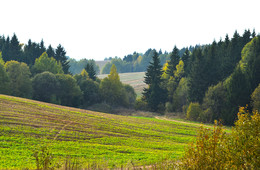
(135, 79)
(86, 136)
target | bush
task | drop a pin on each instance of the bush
(140, 104)
(217, 150)
(206, 115)
(193, 111)
(255, 97)
(45, 87)
(215, 99)
(168, 107)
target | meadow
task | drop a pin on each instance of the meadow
(86, 137)
(135, 79)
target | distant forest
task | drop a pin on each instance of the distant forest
(33, 71)
(138, 62)
(204, 83)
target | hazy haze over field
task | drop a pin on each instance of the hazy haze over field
(99, 29)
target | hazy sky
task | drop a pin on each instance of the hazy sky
(95, 29)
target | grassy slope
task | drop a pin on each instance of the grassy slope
(135, 79)
(25, 125)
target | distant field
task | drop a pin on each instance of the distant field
(135, 79)
(85, 136)
(101, 64)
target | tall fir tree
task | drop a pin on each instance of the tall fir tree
(197, 77)
(185, 58)
(174, 61)
(15, 51)
(50, 51)
(91, 71)
(42, 47)
(60, 55)
(154, 94)
(6, 49)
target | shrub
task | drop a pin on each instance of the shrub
(217, 150)
(255, 97)
(206, 115)
(140, 104)
(193, 111)
(215, 99)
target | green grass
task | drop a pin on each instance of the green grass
(135, 79)
(86, 136)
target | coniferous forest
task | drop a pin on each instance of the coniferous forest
(204, 83)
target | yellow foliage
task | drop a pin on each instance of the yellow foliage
(179, 70)
(217, 150)
(165, 68)
(1, 59)
(113, 76)
(84, 74)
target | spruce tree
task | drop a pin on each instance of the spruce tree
(15, 51)
(60, 55)
(154, 94)
(198, 82)
(174, 61)
(185, 58)
(50, 51)
(91, 71)
(42, 47)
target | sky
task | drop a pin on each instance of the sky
(96, 29)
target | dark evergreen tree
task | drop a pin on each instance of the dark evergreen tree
(235, 49)
(246, 37)
(160, 52)
(185, 58)
(154, 94)
(2, 41)
(213, 64)
(253, 33)
(174, 61)
(91, 71)
(15, 51)
(28, 53)
(6, 49)
(42, 47)
(197, 78)
(50, 51)
(60, 56)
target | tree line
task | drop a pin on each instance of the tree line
(203, 83)
(138, 62)
(209, 83)
(47, 77)
(12, 49)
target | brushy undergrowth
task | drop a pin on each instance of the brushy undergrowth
(219, 150)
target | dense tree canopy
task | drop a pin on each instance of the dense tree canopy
(69, 93)
(45, 87)
(20, 82)
(45, 63)
(4, 79)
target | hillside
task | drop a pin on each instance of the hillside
(86, 136)
(135, 79)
